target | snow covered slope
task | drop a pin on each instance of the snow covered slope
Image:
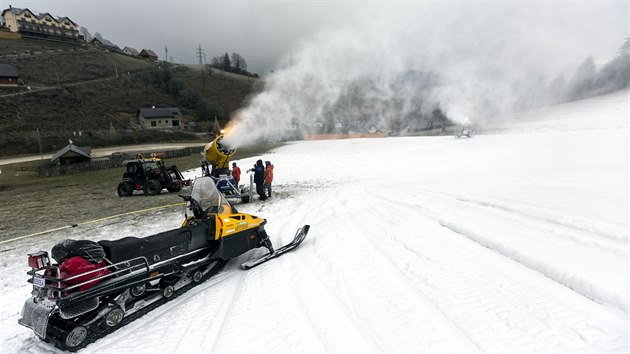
(515, 241)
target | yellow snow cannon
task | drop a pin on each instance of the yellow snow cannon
(218, 154)
(216, 164)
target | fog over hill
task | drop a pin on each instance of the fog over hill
(394, 70)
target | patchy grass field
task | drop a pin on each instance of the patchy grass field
(30, 204)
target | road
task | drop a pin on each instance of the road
(100, 152)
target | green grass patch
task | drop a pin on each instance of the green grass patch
(34, 204)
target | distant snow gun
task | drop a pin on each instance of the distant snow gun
(465, 130)
(216, 164)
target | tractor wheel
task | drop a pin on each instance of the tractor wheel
(152, 187)
(125, 189)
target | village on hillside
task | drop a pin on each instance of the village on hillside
(23, 24)
(16, 23)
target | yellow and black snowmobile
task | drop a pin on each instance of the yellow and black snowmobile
(96, 287)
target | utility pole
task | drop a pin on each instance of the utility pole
(166, 53)
(200, 54)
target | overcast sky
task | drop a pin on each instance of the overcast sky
(266, 32)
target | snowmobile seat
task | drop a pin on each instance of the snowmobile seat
(155, 248)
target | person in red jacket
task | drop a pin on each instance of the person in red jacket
(236, 173)
(268, 177)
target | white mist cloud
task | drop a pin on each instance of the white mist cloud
(392, 67)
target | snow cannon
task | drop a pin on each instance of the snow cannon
(216, 164)
(218, 154)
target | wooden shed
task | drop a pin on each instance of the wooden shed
(72, 154)
(148, 55)
(9, 75)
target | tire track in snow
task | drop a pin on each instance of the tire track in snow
(340, 308)
(579, 225)
(302, 299)
(534, 246)
(613, 245)
(363, 320)
(436, 311)
(223, 315)
(295, 327)
(201, 325)
(517, 307)
(335, 331)
(378, 321)
(583, 288)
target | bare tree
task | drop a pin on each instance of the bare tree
(238, 63)
(215, 62)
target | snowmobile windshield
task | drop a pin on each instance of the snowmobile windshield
(205, 192)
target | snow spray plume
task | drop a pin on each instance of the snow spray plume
(404, 70)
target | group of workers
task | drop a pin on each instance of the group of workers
(263, 177)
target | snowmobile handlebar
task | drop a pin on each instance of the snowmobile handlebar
(197, 210)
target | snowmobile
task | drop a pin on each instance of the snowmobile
(95, 288)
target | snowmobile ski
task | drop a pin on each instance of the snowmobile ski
(300, 235)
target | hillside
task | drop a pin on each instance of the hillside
(71, 88)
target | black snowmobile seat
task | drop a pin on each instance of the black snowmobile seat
(155, 248)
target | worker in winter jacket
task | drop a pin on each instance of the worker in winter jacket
(236, 173)
(268, 177)
(259, 179)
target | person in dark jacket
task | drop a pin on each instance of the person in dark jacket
(259, 179)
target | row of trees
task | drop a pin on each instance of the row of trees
(587, 81)
(233, 64)
(613, 76)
